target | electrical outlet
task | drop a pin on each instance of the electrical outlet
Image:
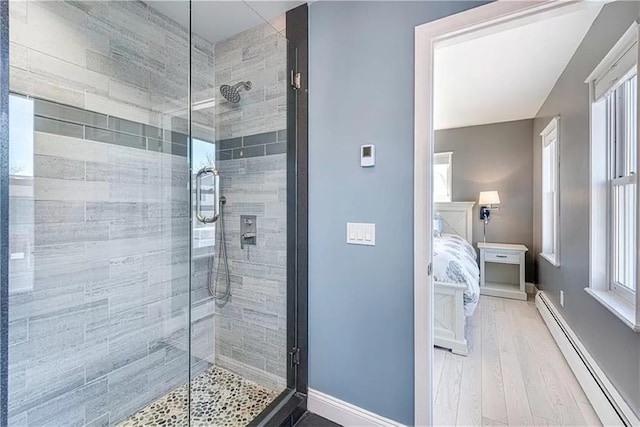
(562, 298)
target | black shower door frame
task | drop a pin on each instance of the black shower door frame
(289, 406)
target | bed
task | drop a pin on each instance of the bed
(456, 275)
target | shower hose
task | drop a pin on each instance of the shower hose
(212, 282)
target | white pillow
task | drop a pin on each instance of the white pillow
(438, 225)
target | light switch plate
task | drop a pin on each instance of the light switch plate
(361, 234)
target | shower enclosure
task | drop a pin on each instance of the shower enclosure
(151, 215)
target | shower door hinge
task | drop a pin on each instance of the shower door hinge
(295, 356)
(430, 269)
(296, 79)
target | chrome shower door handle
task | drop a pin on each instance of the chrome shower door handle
(207, 170)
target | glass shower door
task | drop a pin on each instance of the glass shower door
(149, 233)
(99, 242)
(239, 261)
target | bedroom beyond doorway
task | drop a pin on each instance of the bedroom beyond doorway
(526, 120)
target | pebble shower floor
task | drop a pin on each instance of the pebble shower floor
(218, 398)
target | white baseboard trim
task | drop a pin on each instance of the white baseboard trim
(344, 413)
(605, 399)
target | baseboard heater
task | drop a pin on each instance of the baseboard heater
(605, 399)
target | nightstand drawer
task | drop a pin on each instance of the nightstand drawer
(506, 257)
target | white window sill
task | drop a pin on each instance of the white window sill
(620, 307)
(550, 259)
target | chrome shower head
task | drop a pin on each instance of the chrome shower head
(232, 93)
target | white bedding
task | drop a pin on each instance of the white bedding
(455, 261)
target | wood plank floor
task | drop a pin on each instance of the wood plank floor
(514, 374)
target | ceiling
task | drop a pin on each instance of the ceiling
(219, 20)
(505, 75)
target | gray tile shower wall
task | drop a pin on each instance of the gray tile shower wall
(114, 57)
(99, 287)
(251, 326)
(59, 119)
(106, 274)
(258, 55)
(262, 144)
(99, 304)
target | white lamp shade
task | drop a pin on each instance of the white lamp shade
(489, 198)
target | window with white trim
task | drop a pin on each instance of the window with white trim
(621, 141)
(613, 88)
(442, 177)
(550, 193)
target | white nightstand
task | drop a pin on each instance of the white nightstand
(502, 270)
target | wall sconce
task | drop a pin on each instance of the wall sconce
(488, 201)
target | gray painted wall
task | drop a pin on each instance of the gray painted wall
(614, 346)
(361, 298)
(496, 156)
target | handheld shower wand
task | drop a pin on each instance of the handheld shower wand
(212, 282)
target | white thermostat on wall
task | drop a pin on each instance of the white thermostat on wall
(367, 155)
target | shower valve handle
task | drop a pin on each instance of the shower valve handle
(246, 236)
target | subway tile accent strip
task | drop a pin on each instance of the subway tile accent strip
(42, 124)
(261, 144)
(228, 144)
(60, 119)
(276, 148)
(167, 147)
(54, 110)
(116, 138)
(127, 126)
(260, 139)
